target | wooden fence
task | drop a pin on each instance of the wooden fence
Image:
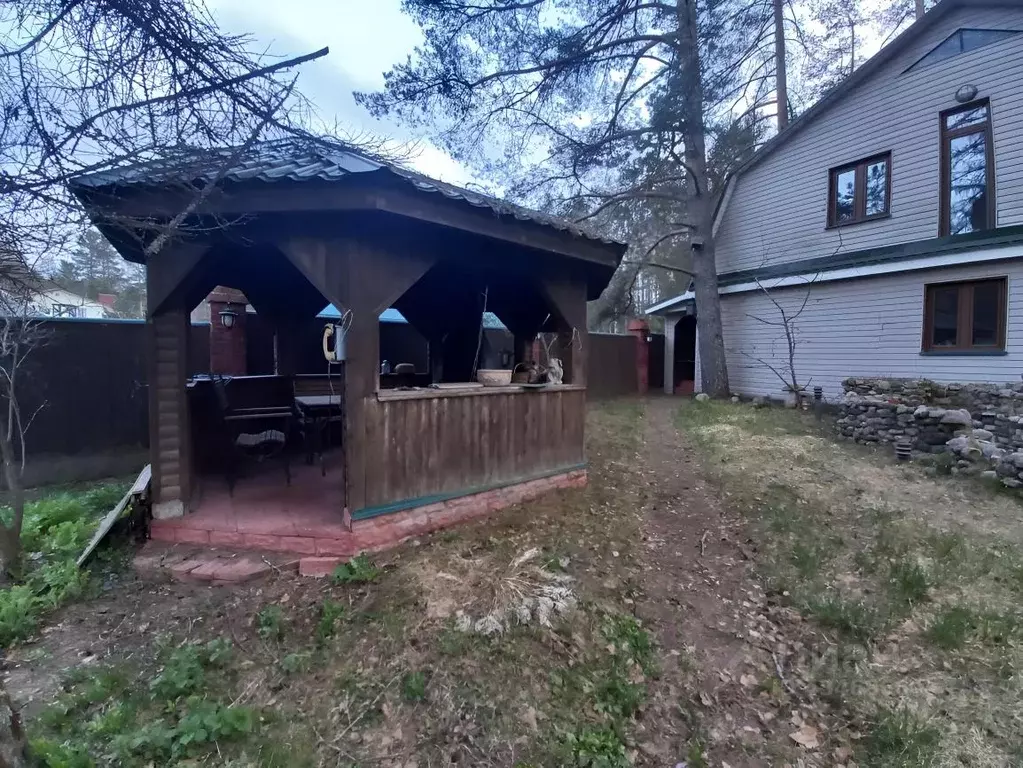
(611, 366)
(87, 386)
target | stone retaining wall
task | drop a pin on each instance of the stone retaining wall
(980, 424)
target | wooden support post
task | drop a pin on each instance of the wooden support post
(169, 426)
(698, 385)
(569, 299)
(364, 279)
(436, 352)
(286, 340)
(523, 348)
(670, 321)
(174, 275)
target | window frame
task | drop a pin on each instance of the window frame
(860, 214)
(923, 63)
(945, 161)
(964, 317)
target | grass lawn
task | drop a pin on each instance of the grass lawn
(733, 588)
(512, 642)
(906, 587)
(57, 526)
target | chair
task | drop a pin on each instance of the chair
(255, 433)
(314, 401)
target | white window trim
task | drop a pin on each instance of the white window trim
(868, 270)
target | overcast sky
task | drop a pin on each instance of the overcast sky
(366, 37)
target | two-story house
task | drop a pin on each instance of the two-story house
(887, 219)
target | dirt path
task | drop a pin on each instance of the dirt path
(705, 604)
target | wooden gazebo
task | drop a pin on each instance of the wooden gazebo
(295, 227)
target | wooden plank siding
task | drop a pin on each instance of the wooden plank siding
(442, 443)
(866, 327)
(777, 211)
(169, 432)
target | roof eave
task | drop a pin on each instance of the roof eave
(667, 305)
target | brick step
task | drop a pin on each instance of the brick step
(159, 561)
(170, 532)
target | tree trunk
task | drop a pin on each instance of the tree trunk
(10, 554)
(919, 9)
(781, 87)
(13, 744)
(713, 368)
(10, 536)
(700, 208)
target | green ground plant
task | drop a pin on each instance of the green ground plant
(106, 717)
(358, 570)
(56, 529)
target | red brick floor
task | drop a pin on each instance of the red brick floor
(305, 518)
(264, 512)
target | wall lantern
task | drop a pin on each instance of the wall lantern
(227, 318)
(966, 93)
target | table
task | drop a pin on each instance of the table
(317, 412)
(317, 402)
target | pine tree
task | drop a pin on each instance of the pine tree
(600, 105)
(99, 265)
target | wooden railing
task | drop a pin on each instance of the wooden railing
(427, 443)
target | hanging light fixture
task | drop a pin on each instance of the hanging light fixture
(227, 318)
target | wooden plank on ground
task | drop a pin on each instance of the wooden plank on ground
(139, 487)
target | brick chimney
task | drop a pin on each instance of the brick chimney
(227, 345)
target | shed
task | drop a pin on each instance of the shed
(295, 226)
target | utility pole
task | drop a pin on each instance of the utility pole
(781, 85)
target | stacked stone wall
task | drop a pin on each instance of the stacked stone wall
(980, 425)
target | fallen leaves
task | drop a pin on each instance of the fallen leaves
(806, 736)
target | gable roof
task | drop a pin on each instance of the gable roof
(867, 70)
(304, 160)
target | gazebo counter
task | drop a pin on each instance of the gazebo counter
(428, 393)
(424, 446)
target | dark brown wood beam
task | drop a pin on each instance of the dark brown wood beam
(361, 192)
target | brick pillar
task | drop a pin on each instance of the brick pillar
(641, 329)
(227, 345)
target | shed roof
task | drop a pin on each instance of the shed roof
(295, 160)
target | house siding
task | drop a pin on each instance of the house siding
(865, 327)
(777, 211)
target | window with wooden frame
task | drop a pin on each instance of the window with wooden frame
(860, 191)
(967, 170)
(965, 317)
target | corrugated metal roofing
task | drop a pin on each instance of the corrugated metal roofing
(291, 160)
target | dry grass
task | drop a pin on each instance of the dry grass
(911, 584)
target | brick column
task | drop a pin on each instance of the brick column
(641, 329)
(227, 345)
